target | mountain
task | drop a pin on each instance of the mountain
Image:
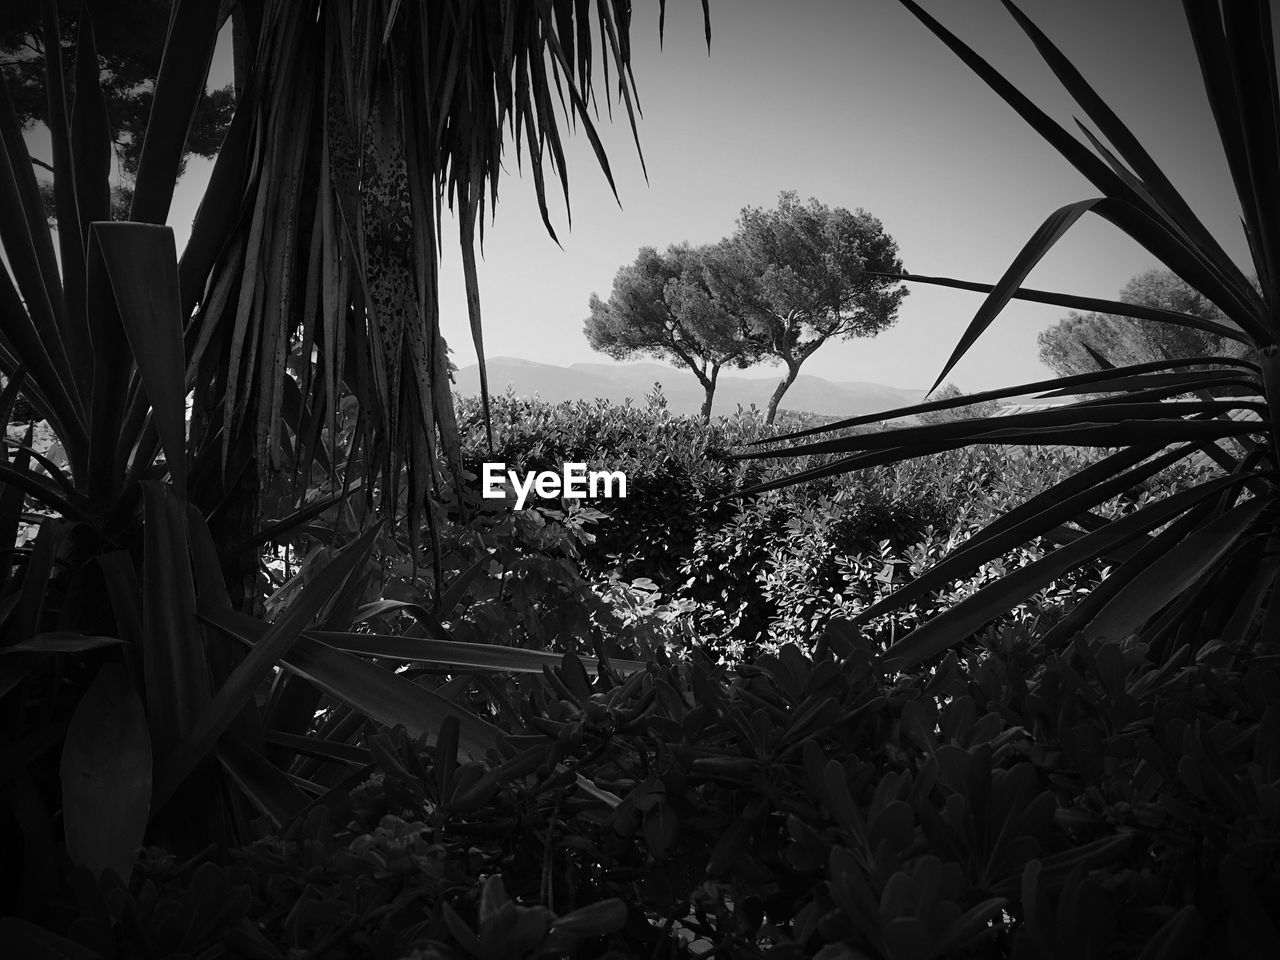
(617, 382)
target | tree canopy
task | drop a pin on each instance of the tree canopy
(805, 273)
(129, 36)
(1065, 346)
(661, 306)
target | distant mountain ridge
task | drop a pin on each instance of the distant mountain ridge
(587, 381)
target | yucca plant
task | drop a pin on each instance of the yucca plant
(1191, 569)
(310, 275)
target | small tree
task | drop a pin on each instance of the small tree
(1064, 347)
(662, 306)
(805, 273)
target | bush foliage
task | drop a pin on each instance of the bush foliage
(744, 575)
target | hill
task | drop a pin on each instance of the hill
(618, 382)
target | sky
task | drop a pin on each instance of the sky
(855, 103)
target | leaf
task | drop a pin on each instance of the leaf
(660, 828)
(1111, 424)
(1121, 204)
(266, 652)
(457, 589)
(106, 775)
(90, 141)
(1024, 523)
(27, 614)
(597, 919)
(1175, 573)
(60, 642)
(1155, 184)
(36, 943)
(1180, 938)
(173, 659)
(319, 748)
(454, 654)
(265, 785)
(32, 333)
(184, 67)
(957, 623)
(379, 694)
(278, 530)
(141, 267)
(1120, 308)
(1045, 237)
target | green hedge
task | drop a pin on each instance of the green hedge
(684, 564)
(1082, 803)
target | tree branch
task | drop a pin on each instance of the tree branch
(40, 163)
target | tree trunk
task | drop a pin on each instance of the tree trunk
(793, 370)
(709, 386)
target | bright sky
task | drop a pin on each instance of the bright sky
(859, 105)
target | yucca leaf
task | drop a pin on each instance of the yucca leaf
(178, 761)
(1102, 362)
(1093, 477)
(265, 785)
(52, 471)
(60, 642)
(580, 108)
(1174, 573)
(1221, 65)
(9, 396)
(71, 230)
(12, 496)
(1132, 220)
(25, 619)
(1154, 182)
(1189, 382)
(1079, 380)
(457, 589)
(112, 364)
(90, 148)
(956, 624)
(188, 48)
(1120, 204)
(19, 478)
(858, 461)
(377, 693)
(1119, 308)
(319, 748)
(454, 655)
(296, 414)
(174, 666)
(1105, 424)
(1023, 524)
(466, 226)
(425, 623)
(106, 775)
(141, 269)
(219, 208)
(29, 940)
(278, 530)
(32, 333)
(1260, 588)
(1152, 548)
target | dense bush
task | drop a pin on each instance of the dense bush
(1017, 801)
(690, 564)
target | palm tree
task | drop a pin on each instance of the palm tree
(310, 274)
